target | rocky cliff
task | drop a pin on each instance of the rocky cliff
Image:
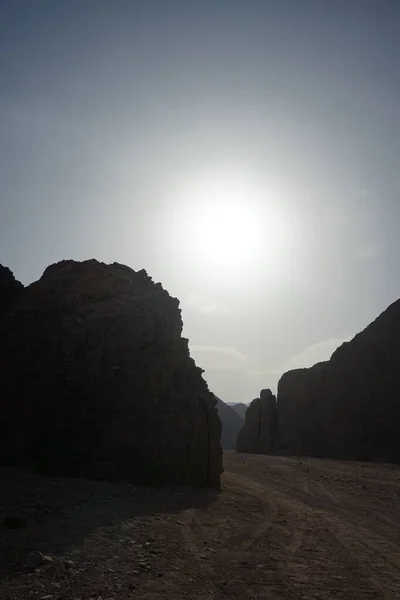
(257, 435)
(10, 289)
(293, 418)
(347, 407)
(355, 407)
(97, 380)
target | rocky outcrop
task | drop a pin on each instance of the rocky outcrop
(347, 407)
(257, 435)
(10, 289)
(97, 381)
(292, 418)
(231, 425)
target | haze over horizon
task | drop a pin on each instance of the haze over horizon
(245, 153)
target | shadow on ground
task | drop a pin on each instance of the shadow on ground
(46, 515)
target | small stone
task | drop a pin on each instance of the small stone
(69, 563)
(47, 558)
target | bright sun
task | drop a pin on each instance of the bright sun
(234, 221)
(228, 233)
(228, 221)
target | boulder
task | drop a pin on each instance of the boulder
(257, 435)
(97, 381)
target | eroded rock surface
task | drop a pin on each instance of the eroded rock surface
(348, 407)
(257, 435)
(293, 419)
(356, 405)
(345, 408)
(97, 380)
(10, 289)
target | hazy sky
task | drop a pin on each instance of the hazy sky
(245, 153)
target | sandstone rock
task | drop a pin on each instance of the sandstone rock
(97, 381)
(10, 289)
(349, 406)
(257, 435)
(292, 418)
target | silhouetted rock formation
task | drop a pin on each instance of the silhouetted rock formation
(10, 289)
(347, 407)
(292, 420)
(97, 381)
(355, 406)
(240, 409)
(231, 425)
(257, 435)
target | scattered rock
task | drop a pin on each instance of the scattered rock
(46, 557)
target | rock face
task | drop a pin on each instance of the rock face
(10, 289)
(257, 435)
(345, 408)
(97, 381)
(231, 425)
(292, 418)
(350, 404)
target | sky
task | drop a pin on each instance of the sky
(245, 153)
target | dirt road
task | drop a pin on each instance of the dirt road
(281, 529)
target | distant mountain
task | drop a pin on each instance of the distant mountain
(239, 408)
(232, 423)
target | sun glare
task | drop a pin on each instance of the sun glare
(228, 224)
(234, 221)
(228, 233)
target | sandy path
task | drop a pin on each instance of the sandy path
(281, 528)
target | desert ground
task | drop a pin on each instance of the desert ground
(280, 529)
